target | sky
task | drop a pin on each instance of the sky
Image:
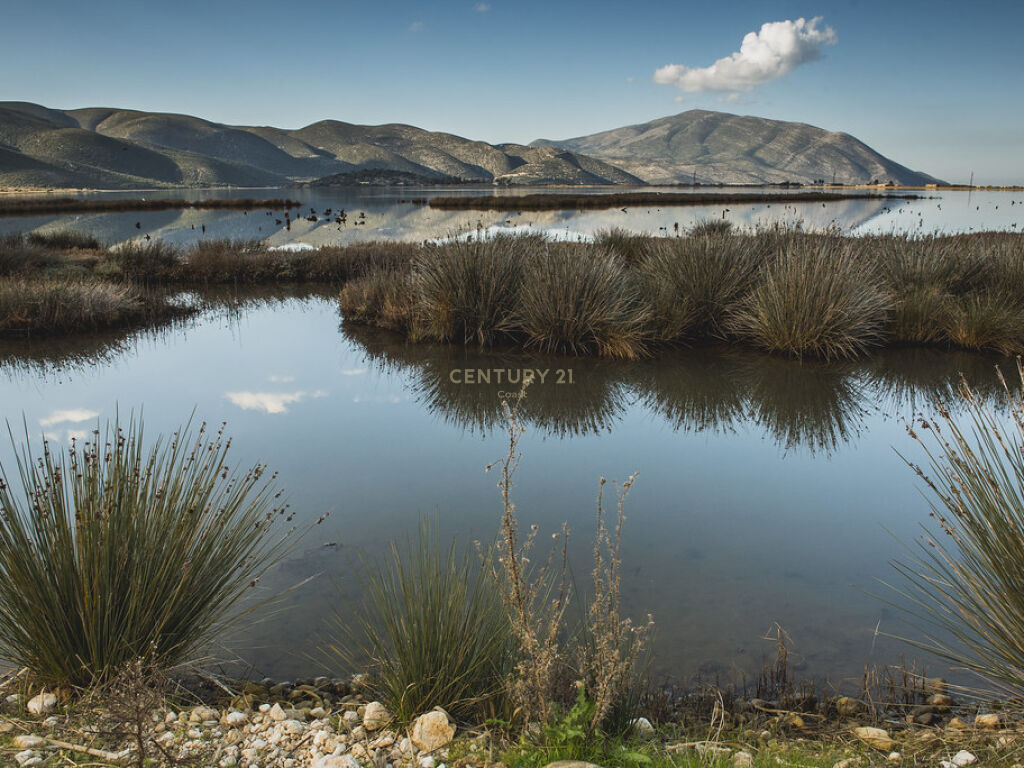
(933, 85)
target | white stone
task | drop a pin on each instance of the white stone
(28, 742)
(293, 726)
(203, 714)
(642, 726)
(277, 714)
(28, 758)
(235, 719)
(376, 716)
(875, 737)
(432, 731)
(894, 757)
(43, 704)
(743, 759)
(963, 758)
(427, 761)
(336, 761)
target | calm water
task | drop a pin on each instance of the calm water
(389, 215)
(769, 491)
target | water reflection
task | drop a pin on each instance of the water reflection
(387, 213)
(808, 405)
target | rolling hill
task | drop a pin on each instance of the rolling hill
(108, 148)
(716, 147)
(124, 149)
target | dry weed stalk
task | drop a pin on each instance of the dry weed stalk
(616, 643)
(536, 620)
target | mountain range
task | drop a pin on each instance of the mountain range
(108, 148)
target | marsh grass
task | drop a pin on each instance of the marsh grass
(694, 285)
(117, 550)
(468, 292)
(579, 300)
(630, 247)
(50, 306)
(65, 239)
(382, 297)
(963, 580)
(987, 321)
(434, 630)
(815, 299)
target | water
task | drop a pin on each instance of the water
(769, 491)
(390, 215)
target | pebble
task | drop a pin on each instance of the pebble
(235, 719)
(375, 716)
(642, 726)
(988, 722)
(28, 758)
(875, 737)
(743, 759)
(964, 758)
(28, 742)
(43, 704)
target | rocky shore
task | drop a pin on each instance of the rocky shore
(326, 723)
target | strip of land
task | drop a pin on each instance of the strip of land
(550, 202)
(45, 205)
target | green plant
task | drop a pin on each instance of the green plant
(434, 631)
(114, 552)
(965, 582)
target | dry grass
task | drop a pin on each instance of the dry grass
(815, 299)
(55, 306)
(579, 300)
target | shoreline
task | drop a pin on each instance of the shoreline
(338, 723)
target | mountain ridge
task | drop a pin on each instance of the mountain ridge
(720, 147)
(113, 148)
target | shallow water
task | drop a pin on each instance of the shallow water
(388, 214)
(769, 491)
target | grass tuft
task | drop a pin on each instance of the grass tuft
(115, 551)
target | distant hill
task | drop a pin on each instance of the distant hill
(717, 147)
(125, 149)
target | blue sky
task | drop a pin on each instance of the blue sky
(934, 85)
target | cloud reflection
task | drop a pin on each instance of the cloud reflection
(270, 402)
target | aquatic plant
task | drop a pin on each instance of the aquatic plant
(432, 629)
(114, 550)
(468, 292)
(815, 298)
(579, 300)
(50, 306)
(963, 580)
(694, 285)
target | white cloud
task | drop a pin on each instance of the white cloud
(482, 7)
(353, 371)
(281, 379)
(416, 26)
(71, 415)
(774, 51)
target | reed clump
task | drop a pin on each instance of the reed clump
(433, 630)
(580, 300)
(964, 579)
(468, 292)
(54, 306)
(117, 550)
(815, 298)
(695, 284)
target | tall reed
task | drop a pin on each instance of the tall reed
(434, 631)
(815, 298)
(116, 550)
(964, 580)
(580, 300)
